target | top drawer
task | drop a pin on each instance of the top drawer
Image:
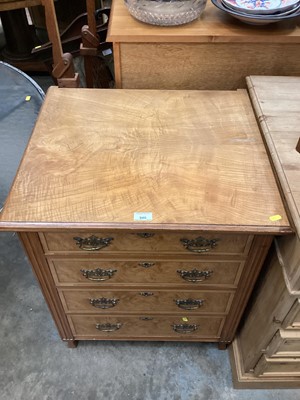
(166, 242)
(288, 250)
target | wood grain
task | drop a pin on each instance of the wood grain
(277, 104)
(276, 101)
(133, 327)
(191, 158)
(132, 302)
(258, 252)
(215, 52)
(247, 380)
(288, 249)
(41, 270)
(284, 344)
(226, 274)
(161, 242)
(205, 66)
(268, 311)
(272, 367)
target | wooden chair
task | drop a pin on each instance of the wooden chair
(63, 67)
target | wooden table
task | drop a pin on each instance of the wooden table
(7, 5)
(265, 353)
(214, 52)
(152, 220)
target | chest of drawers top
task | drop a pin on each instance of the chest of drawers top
(183, 160)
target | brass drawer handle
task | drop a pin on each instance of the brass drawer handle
(104, 302)
(189, 304)
(145, 235)
(194, 275)
(184, 328)
(108, 327)
(200, 244)
(98, 274)
(146, 264)
(146, 318)
(92, 243)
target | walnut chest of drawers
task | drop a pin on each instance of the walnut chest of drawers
(146, 215)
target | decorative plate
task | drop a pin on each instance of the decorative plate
(262, 6)
(255, 19)
(261, 13)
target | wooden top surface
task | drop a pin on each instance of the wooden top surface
(7, 5)
(194, 159)
(212, 26)
(277, 104)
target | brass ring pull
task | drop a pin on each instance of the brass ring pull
(189, 304)
(146, 264)
(200, 244)
(145, 235)
(98, 274)
(92, 243)
(184, 328)
(108, 327)
(104, 303)
(194, 275)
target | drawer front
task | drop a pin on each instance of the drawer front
(284, 344)
(180, 328)
(292, 319)
(272, 367)
(288, 248)
(108, 301)
(83, 272)
(167, 242)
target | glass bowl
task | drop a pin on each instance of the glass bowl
(165, 12)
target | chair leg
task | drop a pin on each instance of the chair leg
(63, 67)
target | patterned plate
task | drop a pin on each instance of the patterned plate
(262, 15)
(255, 19)
(262, 6)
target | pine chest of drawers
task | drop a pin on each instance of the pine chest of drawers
(146, 215)
(266, 350)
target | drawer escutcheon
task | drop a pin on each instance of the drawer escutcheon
(145, 235)
(146, 294)
(146, 264)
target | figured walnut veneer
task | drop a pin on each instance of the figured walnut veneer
(196, 162)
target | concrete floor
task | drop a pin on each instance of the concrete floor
(36, 365)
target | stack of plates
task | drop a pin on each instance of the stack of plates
(260, 12)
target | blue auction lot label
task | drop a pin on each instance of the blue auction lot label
(142, 216)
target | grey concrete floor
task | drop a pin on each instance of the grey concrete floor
(36, 365)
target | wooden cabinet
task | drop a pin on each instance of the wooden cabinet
(215, 52)
(146, 214)
(266, 351)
